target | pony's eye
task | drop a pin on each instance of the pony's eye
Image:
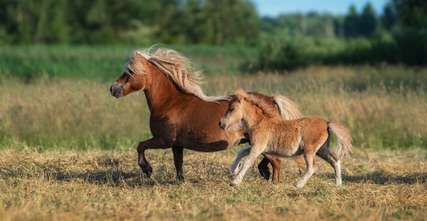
(232, 109)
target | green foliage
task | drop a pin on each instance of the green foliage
(105, 63)
(128, 21)
(311, 24)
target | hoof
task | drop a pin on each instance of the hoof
(265, 172)
(300, 185)
(235, 183)
(147, 169)
(180, 178)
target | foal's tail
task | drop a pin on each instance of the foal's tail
(343, 139)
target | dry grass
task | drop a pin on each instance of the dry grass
(106, 185)
(382, 112)
(45, 174)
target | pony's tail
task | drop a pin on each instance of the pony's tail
(288, 109)
(343, 139)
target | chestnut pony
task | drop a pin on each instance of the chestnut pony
(181, 115)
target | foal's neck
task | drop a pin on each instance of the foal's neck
(253, 118)
(161, 92)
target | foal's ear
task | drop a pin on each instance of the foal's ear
(240, 93)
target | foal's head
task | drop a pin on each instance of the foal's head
(134, 77)
(246, 109)
(237, 112)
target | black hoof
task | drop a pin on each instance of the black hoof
(147, 169)
(265, 172)
(180, 178)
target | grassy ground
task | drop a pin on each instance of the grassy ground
(107, 185)
(67, 147)
(383, 107)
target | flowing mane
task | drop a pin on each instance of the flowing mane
(287, 108)
(179, 69)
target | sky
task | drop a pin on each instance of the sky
(340, 7)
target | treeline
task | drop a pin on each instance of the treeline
(398, 35)
(128, 21)
(355, 24)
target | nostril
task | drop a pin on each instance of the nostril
(221, 125)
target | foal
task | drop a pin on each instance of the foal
(271, 135)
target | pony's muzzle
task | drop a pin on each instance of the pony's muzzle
(116, 90)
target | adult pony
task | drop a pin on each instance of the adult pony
(181, 115)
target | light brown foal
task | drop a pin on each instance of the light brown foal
(271, 135)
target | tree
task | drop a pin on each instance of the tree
(351, 22)
(412, 13)
(368, 23)
(389, 17)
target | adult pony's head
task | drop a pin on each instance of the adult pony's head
(134, 77)
(144, 67)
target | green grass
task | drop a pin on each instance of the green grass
(79, 114)
(104, 63)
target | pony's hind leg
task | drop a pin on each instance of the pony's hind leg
(263, 168)
(178, 158)
(326, 154)
(265, 171)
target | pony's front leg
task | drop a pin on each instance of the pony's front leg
(242, 153)
(153, 143)
(254, 153)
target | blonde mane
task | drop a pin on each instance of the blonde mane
(179, 69)
(265, 107)
(287, 108)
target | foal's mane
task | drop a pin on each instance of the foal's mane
(261, 103)
(179, 69)
(287, 108)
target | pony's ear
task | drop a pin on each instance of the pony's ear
(240, 93)
(140, 56)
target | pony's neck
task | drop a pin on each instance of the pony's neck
(161, 92)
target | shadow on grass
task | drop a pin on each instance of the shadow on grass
(115, 178)
(379, 177)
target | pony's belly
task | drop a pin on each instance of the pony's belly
(284, 150)
(199, 142)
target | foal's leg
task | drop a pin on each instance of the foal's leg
(153, 143)
(178, 157)
(326, 154)
(242, 153)
(255, 151)
(309, 157)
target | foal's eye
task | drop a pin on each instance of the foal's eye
(232, 109)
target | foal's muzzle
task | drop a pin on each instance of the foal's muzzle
(221, 124)
(116, 90)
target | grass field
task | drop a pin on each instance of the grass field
(382, 110)
(67, 148)
(107, 185)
